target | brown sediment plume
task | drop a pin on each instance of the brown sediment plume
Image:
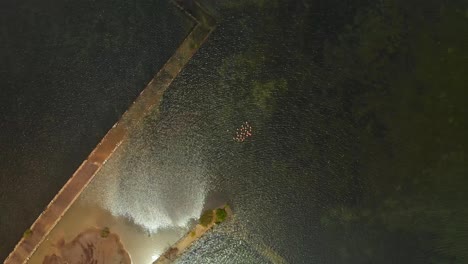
(90, 246)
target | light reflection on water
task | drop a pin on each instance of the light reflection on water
(150, 192)
(150, 189)
(231, 242)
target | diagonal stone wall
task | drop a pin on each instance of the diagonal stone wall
(149, 98)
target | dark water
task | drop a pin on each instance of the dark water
(69, 70)
(358, 152)
(358, 110)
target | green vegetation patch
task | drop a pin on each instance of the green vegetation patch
(206, 218)
(105, 232)
(265, 93)
(221, 215)
(27, 233)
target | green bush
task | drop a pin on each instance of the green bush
(221, 215)
(206, 218)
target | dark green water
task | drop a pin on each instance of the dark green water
(69, 70)
(358, 151)
(360, 124)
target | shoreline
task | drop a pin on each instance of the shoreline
(149, 98)
(198, 231)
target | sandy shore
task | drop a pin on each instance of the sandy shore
(90, 246)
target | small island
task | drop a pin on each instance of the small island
(207, 221)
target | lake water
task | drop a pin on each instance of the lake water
(355, 151)
(69, 70)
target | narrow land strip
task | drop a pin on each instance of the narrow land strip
(148, 99)
(175, 251)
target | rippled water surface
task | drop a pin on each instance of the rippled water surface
(355, 151)
(69, 70)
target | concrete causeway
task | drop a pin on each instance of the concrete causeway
(148, 99)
